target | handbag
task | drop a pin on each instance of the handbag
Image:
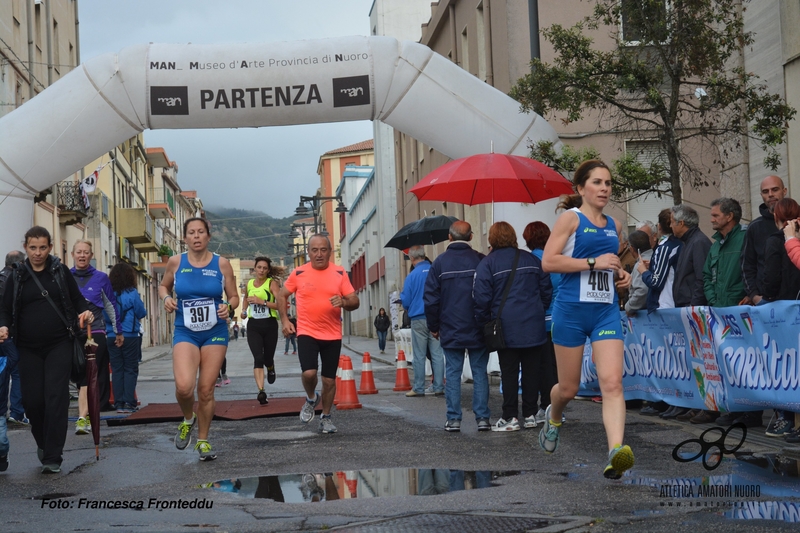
(493, 330)
(78, 367)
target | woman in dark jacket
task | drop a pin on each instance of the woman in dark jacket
(382, 324)
(43, 341)
(522, 319)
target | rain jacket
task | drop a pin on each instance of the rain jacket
(753, 250)
(96, 288)
(687, 289)
(413, 289)
(131, 311)
(661, 275)
(448, 297)
(530, 295)
(781, 277)
(722, 273)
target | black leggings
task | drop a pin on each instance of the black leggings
(263, 340)
(511, 360)
(44, 375)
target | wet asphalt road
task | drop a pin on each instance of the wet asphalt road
(141, 464)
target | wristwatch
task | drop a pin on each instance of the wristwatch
(590, 261)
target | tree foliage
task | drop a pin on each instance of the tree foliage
(675, 76)
(246, 234)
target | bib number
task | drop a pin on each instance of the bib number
(596, 286)
(200, 314)
(259, 311)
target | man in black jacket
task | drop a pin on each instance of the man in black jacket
(687, 288)
(450, 317)
(772, 191)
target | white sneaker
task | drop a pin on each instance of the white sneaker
(540, 416)
(503, 425)
(530, 421)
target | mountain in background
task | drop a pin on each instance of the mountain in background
(247, 234)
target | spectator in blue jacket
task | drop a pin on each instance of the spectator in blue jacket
(522, 319)
(125, 359)
(451, 319)
(659, 273)
(421, 338)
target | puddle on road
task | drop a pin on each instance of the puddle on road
(376, 483)
(736, 495)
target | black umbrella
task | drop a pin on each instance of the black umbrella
(428, 230)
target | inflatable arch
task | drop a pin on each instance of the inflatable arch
(113, 97)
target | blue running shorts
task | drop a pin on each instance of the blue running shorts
(573, 322)
(218, 335)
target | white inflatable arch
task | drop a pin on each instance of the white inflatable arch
(113, 97)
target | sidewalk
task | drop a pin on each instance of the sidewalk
(360, 345)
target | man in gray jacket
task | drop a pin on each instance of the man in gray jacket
(687, 288)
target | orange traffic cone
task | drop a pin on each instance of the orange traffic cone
(352, 483)
(338, 381)
(401, 382)
(367, 378)
(340, 484)
(349, 397)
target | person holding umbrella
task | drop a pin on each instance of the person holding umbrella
(38, 317)
(583, 247)
(200, 342)
(96, 288)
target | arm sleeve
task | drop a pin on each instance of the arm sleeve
(708, 286)
(405, 296)
(792, 248)
(111, 310)
(139, 310)
(772, 269)
(637, 296)
(482, 293)
(749, 265)
(8, 299)
(656, 276)
(431, 297)
(545, 287)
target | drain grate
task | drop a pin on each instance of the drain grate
(452, 523)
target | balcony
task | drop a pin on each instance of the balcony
(138, 227)
(69, 199)
(161, 203)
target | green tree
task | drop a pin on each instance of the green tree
(675, 76)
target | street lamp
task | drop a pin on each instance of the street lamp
(315, 202)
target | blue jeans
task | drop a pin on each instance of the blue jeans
(9, 351)
(454, 364)
(125, 370)
(294, 343)
(421, 341)
(381, 339)
(4, 445)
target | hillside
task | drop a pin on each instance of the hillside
(246, 234)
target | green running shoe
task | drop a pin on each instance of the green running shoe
(204, 449)
(620, 459)
(184, 435)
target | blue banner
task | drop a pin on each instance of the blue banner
(741, 358)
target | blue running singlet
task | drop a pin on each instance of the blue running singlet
(199, 291)
(589, 241)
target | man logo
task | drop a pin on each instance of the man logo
(169, 100)
(351, 91)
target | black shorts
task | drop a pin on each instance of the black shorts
(308, 348)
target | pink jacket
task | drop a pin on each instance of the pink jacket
(793, 249)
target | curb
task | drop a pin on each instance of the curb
(373, 357)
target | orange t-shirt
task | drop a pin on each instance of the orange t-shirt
(316, 317)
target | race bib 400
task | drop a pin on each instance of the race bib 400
(597, 286)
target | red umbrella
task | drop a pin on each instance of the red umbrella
(487, 178)
(92, 395)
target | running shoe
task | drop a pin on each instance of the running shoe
(540, 416)
(484, 425)
(184, 436)
(205, 451)
(506, 425)
(22, 420)
(270, 375)
(83, 426)
(51, 469)
(131, 408)
(431, 392)
(218, 383)
(452, 425)
(225, 380)
(620, 459)
(548, 436)
(262, 397)
(307, 412)
(120, 408)
(778, 428)
(326, 424)
(530, 422)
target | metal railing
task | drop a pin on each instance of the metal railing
(70, 198)
(162, 195)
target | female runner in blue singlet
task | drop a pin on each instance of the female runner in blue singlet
(583, 247)
(200, 278)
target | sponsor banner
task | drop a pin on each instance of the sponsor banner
(739, 358)
(251, 85)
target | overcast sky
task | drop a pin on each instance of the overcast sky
(266, 169)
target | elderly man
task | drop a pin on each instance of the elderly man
(451, 319)
(687, 288)
(421, 338)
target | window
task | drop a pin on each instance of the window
(643, 21)
(647, 207)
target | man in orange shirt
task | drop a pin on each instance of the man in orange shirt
(322, 291)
